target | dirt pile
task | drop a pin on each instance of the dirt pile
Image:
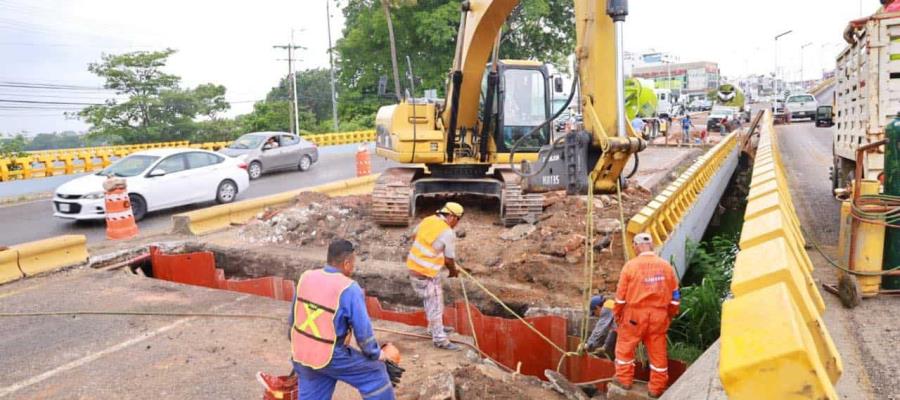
(547, 256)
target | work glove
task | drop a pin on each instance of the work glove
(394, 372)
(390, 352)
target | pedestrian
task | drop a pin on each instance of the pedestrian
(328, 308)
(647, 297)
(433, 248)
(603, 337)
(638, 124)
(686, 125)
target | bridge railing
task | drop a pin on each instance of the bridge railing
(46, 163)
(774, 341)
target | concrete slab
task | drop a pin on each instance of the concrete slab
(657, 162)
(172, 357)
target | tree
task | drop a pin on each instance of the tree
(313, 93)
(274, 115)
(155, 108)
(425, 30)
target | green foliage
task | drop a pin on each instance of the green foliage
(14, 147)
(704, 288)
(48, 141)
(154, 107)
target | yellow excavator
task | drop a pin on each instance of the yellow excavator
(491, 136)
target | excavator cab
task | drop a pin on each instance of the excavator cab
(524, 96)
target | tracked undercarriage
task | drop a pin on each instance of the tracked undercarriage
(397, 189)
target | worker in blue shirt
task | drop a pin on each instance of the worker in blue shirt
(329, 306)
(686, 125)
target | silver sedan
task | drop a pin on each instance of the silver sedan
(271, 151)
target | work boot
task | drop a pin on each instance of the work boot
(447, 345)
(653, 395)
(449, 329)
(619, 384)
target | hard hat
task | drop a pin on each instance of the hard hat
(643, 238)
(597, 301)
(452, 208)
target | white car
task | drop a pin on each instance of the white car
(157, 179)
(801, 106)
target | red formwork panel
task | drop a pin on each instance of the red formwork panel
(197, 269)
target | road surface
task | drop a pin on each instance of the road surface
(34, 220)
(866, 336)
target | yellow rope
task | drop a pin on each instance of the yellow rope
(622, 220)
(462, 283)
(588, 271)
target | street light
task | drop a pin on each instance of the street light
(778, 36)
(801, 61)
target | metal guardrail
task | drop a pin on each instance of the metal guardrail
(819, 87)
(662, 215)
(72, 161)
(774, 341)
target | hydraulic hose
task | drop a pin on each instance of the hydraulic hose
(637, 161)
(512, 151)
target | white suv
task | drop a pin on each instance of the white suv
(801, 106)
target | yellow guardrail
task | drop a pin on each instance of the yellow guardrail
(219, 217)
(819, 87)
(72, 161)
(774, 342)
(32, 258)
(660, 217)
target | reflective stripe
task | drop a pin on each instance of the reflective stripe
(424, 263)
(620, 301)
(378, 391)
(675, 303)
(117, 197)
(625, 362)
(658, 369)
(367, 341)
(427, 252)
(119, 215)
(647, 253)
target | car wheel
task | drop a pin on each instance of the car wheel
(305, 163)
(254, 170)
(138, 206)
(226, 192)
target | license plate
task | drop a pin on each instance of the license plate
(63, 207)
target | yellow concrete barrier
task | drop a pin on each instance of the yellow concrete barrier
(51, 254)
(9, 266)
(766, 349)
(774, 341)
(219, 217)
(660, 217)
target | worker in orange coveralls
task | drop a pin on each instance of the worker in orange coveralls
(647, 298)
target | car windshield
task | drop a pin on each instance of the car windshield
(129, 166)
(247, 142)
(799, 99)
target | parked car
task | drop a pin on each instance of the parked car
(824, 117)
(157, 179)
(801, 106)
(270, 151)
(721, 115)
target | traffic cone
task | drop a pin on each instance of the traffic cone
(119, 218)
(278, 387)
(363, 165)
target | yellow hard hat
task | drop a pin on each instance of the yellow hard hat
(452, 208)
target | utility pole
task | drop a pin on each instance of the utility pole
(801, 61)
(775, 75)
(331, 62)
(295, 117)
(390, 26)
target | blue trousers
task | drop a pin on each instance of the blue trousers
(347, 365)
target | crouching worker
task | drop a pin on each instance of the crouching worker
(328, 307)
(602, 341)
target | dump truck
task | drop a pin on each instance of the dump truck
(867, 94)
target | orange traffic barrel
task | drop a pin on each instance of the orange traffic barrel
(119, 218)
(363, 164)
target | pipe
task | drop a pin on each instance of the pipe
(618, 10)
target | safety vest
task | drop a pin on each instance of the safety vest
(313, 334)
(423, 258)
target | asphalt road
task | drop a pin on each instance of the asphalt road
(34, 220)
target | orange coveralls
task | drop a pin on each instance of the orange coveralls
(647, 298)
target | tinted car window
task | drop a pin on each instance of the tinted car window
(199, 160)
(798, 99)
(288, 140)
(129, 166)
(173, 164)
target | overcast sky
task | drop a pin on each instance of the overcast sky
(230, 42)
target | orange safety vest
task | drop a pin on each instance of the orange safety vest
(313, 334)
(422, 257)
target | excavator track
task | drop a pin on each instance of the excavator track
(392, 197)
(518, 207)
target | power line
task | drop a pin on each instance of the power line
(49, 102)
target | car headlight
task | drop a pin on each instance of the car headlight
(94, 196)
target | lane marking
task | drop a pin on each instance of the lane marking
(112, 349)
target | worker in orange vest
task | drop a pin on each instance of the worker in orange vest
(647, 298)
(433, 248)
(328, 308)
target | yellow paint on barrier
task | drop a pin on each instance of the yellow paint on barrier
(9, 266)
(767, 351)
(51, 254)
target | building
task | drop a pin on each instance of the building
(686, 78)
